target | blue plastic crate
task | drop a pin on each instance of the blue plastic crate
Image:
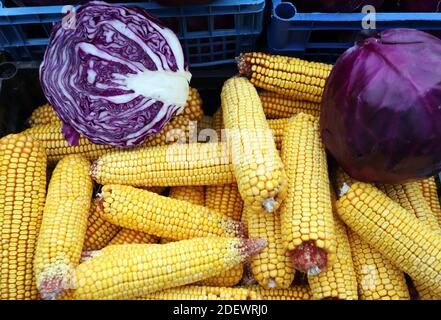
(210, 34)
(324, 36)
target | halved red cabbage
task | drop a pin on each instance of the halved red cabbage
(117, 77)
(381, 109)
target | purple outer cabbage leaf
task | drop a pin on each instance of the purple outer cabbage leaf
(83, 71)
(381, 109)
(335, 5)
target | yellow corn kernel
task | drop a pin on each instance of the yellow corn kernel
(22, 196)
(195, 195)
(174, 165)
(146, 268)
(293, 293)
(224, 199)
(338, 280)
(272, 267)
(410, 197)
(193, 108)
(44, 114)
(396, 233)
(377, 277)
(430, 192)
(277, 126)
(129, 236)
(203, 293)
(277, 106)
(306, 214)
(99, 231)
(161, 216)
(257, 165)
(64, 225)
(288, 76)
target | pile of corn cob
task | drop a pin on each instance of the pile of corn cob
(253, 214)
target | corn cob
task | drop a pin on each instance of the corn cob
(127, 274)
(195, 195)
(407, 242)
(337, 281)
(277, 106)
(430, 192)
(22, 195)
(203, 293)
(272, 267)
(174, 165)
(57, 146)
(44, 114)
(377, 277)
(306, 215)
(410, 197)
(287, 76)
(224, 199)
(257, 165)
(162, 216)
(277, 126)
(129, 236)
(99, 231)
(302, 292)
(64, 225)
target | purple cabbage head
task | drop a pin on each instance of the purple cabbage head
(421, 5)
(335, 5)
(116, 75)
(381, 109)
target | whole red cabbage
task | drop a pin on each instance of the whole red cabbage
(421, 5)
(335, 5)
(381, 109)
(91, 74)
